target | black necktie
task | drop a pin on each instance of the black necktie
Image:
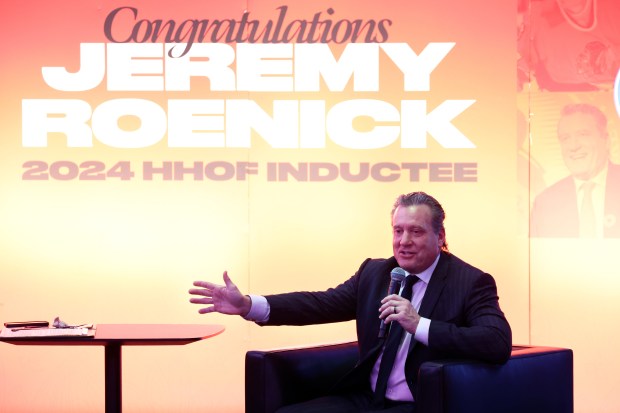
(391, 348)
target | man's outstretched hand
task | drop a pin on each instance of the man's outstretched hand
(225, 299)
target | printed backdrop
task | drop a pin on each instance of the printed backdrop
(146, 145)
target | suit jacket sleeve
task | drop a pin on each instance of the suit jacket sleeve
(315, 307)
(466, 319)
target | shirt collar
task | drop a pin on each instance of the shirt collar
(599, 179)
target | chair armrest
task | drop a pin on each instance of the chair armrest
(280, 377)
(534, 380)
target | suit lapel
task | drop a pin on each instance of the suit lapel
(435, 286)
(433, 291)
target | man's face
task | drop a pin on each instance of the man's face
(584, 146)
(414, 242)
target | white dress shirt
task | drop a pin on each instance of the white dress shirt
(397, 388)
(598, 198)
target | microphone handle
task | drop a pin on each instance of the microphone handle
(393, 289)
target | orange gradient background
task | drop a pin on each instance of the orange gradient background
(116, 251)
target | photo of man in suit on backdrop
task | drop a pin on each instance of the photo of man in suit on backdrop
(586, 203)
(447, 309)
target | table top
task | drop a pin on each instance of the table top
(129, 334)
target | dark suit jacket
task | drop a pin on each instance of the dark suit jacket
(461, 301)
(555, 213)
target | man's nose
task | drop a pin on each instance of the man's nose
(573, 142)
(407, 238)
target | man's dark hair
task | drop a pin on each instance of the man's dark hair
(437, 213)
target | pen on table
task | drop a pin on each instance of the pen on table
(28, 328)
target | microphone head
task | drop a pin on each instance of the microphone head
(398, 274)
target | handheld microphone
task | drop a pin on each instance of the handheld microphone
(398, 275)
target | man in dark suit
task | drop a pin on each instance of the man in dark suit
(587, 202)
(453, 312)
